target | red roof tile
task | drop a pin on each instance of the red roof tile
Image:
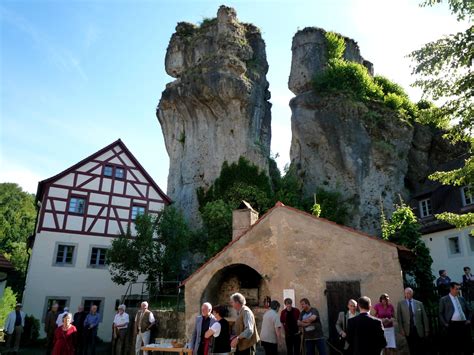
(4, 263)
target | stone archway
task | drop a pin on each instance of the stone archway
(236, 278)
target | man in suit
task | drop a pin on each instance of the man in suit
(455, 317)
(413, 322)
(365, 333)
(203, 323)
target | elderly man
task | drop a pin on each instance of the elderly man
(203, 322)
(120, 325)
(455, 317)
(245, 327)
(90, 330)
(14, 327)
(144, 320)
(50, 326)
(413, 322)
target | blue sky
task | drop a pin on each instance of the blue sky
(77, 75)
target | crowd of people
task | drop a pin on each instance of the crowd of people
(467, 283)
(68, 334)
(363, 329)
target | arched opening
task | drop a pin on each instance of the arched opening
(236, 278)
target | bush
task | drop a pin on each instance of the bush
(350, 78)
(353, 79)
(393, 101)
(31, 331)
(389, 87)
(7, 304)
(335, 45)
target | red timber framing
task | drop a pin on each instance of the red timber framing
(108, 200)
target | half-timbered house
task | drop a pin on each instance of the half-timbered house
(80, 211)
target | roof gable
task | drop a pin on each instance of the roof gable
(289, 209)
(99, 153)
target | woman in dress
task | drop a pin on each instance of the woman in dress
(342, 321)
(385, 311)
(220, 331)
(65, 337)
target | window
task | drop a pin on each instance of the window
(97, 257)
(425, 208)
(137, 211)
(50, 300)
(89, 302)
(467, 194)
(454, 247)
(77, 205)
(108, 170)
(65, 254)
(471, 242)
(119, 173)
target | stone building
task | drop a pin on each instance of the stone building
(287, 249)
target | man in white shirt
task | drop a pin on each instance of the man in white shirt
(14, 327)
(455, 316)
(270, 334)
(120, 325)
(144, 321)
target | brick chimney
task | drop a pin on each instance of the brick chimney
(242, 218)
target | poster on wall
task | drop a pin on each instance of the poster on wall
(289, 293)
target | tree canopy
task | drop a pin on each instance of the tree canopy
(403, 229)
(17, 223)
(444, 73)
(156, 251)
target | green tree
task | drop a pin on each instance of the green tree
(17, 222)
(131, 256)
(174, 236)
(7, 304)
(403, 229)
(444, 71)
(157, 250)
(217, 219)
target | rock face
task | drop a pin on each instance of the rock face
(309, 50)
(335, 147)
(217, 109)
(339, 145)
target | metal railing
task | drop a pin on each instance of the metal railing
(160, 295)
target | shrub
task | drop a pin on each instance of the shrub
(335, 45)
(389, 87)
(393, 101)
(350, 78)
(7, 304)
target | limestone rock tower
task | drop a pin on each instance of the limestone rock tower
(217, 107)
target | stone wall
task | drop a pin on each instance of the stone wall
(170, 325)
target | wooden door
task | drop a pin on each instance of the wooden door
(337, 294)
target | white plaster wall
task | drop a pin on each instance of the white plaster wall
(439, 249)
(76, 282)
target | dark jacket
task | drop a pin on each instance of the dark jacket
(446, 309)
(365, 335)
